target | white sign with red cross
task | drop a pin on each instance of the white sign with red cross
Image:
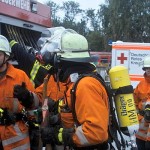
(122, 58)
(130, 55)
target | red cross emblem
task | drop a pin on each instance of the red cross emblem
(122, 58)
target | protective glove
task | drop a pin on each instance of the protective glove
(54, 119)
(57, 135)
(33, 124)
(65, 136)
(24, 96)
(48, 135)
(52, 106)
(147, 113)
(6, 117)
(147, 145)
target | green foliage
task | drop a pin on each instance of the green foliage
(126, 20)
(95, 41)
(71, 10)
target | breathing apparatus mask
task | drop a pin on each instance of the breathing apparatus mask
(47, 34)
(48, 44)
(65, 46)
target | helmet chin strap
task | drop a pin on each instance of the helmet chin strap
(57, 70)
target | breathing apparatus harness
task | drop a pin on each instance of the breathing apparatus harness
(113, 127)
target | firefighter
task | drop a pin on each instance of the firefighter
(13, 129)
(85, 117)
(53, 91)
(29, 64)
(82, 124)
(54, 95)
(142, 102)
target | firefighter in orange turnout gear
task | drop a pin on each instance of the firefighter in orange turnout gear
(85, 119)
(54, 96)
(142, 102)
(13, 130)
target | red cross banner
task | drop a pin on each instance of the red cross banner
(122, 58)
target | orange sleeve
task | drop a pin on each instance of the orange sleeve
(136, 99)
(92, 111)
(141, 94)
(39, 92)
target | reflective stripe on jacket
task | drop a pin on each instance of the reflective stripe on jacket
(13, 136)
(141, 98)
(20, 141)
(28, 63)
(35, 69)
(92, 112)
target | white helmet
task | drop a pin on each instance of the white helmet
(146, 63)
(68, 45)
(74, 47)
(4, 45)
(47, 33)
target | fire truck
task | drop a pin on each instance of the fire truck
(104, 58)
(24, 20)
(103, 64)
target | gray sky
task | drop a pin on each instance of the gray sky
(84, 4)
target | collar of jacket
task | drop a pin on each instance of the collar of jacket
(10, 71)
(147, 78)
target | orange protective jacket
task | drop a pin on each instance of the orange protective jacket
(141, 97)
(92, 112)
(53, 91)
(15, 135)
(91, 108)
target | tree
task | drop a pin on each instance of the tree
(126, 20)
(72, 10)
(54, 8)
(94, 19)
(95, 40)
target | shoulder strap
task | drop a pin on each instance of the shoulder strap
(73, 92)
(73, 99)
(113, 124)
